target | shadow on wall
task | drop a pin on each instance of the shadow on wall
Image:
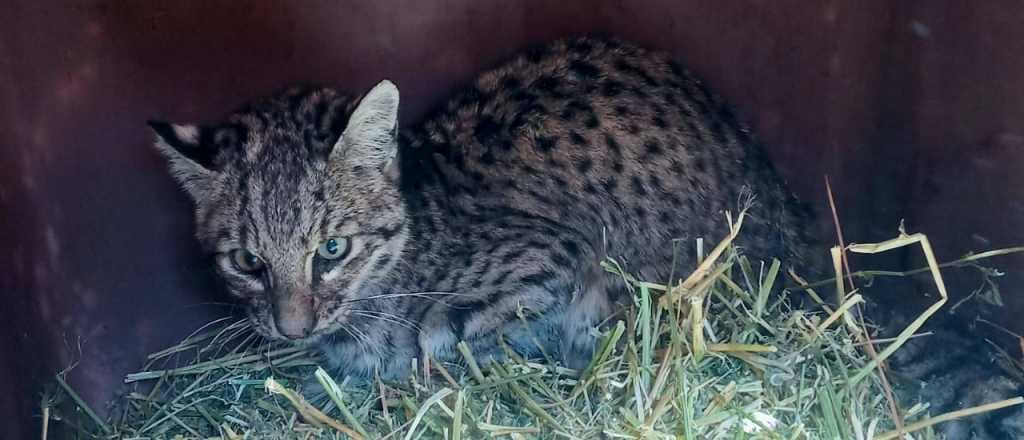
(914, 109)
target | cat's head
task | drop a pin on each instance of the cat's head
(297, 199)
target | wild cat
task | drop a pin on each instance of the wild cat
(383, 245)
(487, 219)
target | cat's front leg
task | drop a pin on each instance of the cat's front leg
(387, 351)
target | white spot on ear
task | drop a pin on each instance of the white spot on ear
(187, 133)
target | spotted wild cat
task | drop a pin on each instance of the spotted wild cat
(381, 245)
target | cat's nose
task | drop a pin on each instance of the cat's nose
(294, 315)
(295, 328)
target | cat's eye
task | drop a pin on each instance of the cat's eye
(246, 261)
(333, 248)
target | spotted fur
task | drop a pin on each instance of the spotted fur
(489, 218)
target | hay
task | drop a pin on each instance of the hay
(719, 354)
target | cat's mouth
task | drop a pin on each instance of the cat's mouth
(356, 325)
(265, 324)
(270, 331)
(318, 333)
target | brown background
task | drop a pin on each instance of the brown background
(915, 109)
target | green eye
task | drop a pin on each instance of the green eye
(246, 261)
(333, 248)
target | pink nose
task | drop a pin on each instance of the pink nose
(294, 315)
(294, 328)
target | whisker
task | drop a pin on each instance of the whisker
(362, 340)
(425, 295)
(401, 324)
(333, 337)
(404, 325)
(365, 345)
(378, 312)
(252, 340)
(394, 320)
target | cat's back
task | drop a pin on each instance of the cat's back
(607, 139)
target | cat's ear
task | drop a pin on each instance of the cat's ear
(370, 138)
(190, 151)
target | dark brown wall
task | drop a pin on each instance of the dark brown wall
(914, 108)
